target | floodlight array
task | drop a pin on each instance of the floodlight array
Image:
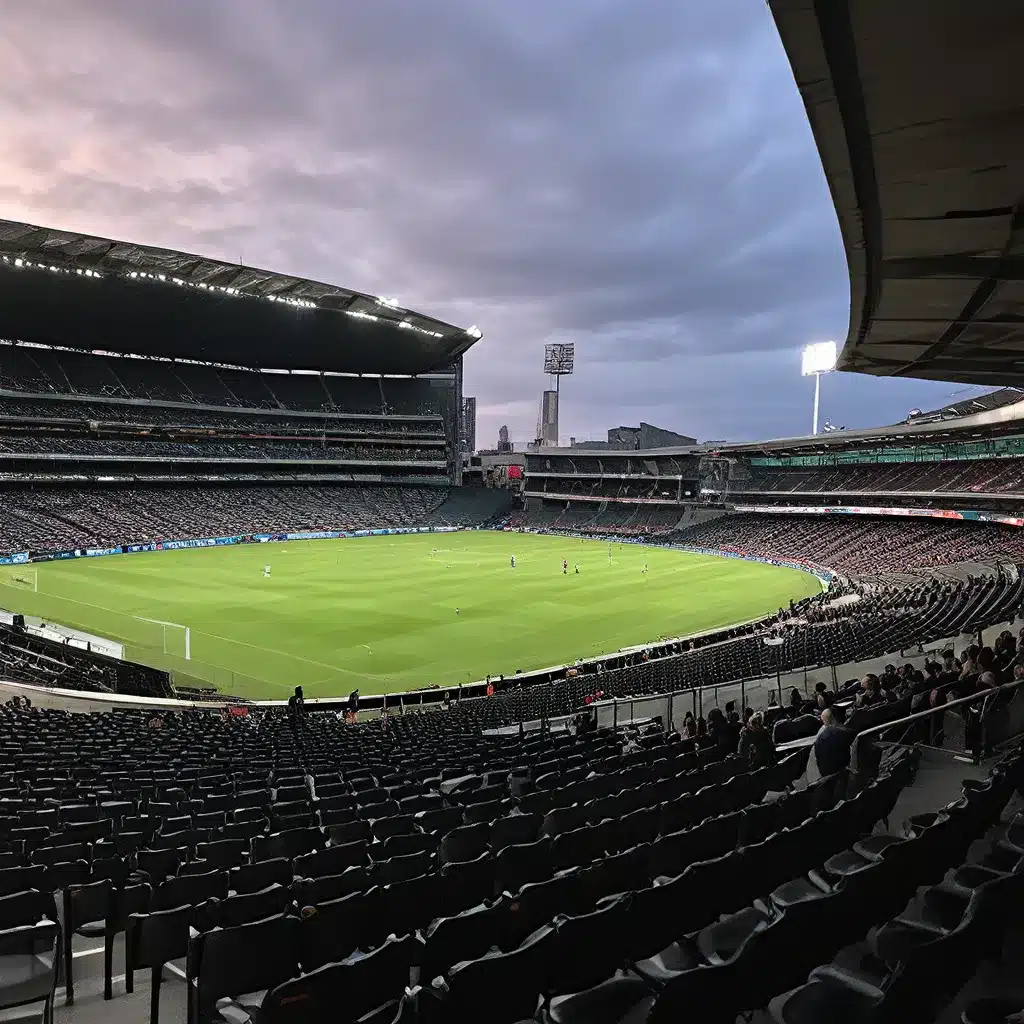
(287, 300)
(818, 358)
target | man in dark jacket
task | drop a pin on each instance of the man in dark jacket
(833, 742)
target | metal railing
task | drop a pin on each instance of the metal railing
(907, 723)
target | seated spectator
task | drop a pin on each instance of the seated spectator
(756, 743)
(719, 730)
(795, 699)
(871, 692)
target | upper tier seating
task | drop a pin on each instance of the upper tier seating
(211, 448)
(45, 371)
(275, 422)
(983, 476)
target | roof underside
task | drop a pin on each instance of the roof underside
(918, 113)
(265, 320)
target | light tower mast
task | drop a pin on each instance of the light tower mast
(559, 360)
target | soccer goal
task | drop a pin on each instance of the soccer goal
(169, 637)
(21, 578)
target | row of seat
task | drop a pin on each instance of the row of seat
(510, 970)
(182, 875)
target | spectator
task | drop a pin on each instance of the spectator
(833, 742)
(756, 744)
(296, 713)
(871, 692)
(720, 732)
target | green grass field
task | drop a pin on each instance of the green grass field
(380, 612)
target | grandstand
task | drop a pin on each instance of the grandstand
(651, 835)
(340, 411)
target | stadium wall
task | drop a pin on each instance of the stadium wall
(209, 542)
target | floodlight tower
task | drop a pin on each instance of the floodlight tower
(817, 359)
(558, 363)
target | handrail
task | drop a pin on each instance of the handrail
(920, 716)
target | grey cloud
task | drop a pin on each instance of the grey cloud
(637, 178)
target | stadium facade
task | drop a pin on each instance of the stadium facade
(125, 367)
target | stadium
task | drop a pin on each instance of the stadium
(731, 731)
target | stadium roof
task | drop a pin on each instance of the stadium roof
(996, 421)
(918, 113)
(82, 291)
(969, 406)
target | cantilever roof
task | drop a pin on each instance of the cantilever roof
(918, 113)
(997, 421)
(85, 291)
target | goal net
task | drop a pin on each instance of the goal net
(20, 577)
(168, 637)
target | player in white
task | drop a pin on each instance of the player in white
(266, 572)
(645, 569)
(513, 561)
(577, 568)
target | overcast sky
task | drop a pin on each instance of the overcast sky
(635, 177)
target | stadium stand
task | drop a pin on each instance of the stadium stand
(42, 662)
(859, 544)
(414, 869)
(37, 370)
(40, 520)
(975, 476)
(475, 863)
(627, 519)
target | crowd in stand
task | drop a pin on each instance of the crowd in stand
(859, 544)
(627, 520)
(982, 476)
(262, 449)
(49, 519)
(277, 421)
(63, 519)
(850, 544)
(41, 371)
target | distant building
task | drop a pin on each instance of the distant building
(547, 433)
(504, 444)
(641, 438)
(467, 432)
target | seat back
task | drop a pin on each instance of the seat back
(248, 958)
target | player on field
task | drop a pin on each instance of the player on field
(645, 569)
(577, 568)
(513, 561)
(565, 567)
(266, 572)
